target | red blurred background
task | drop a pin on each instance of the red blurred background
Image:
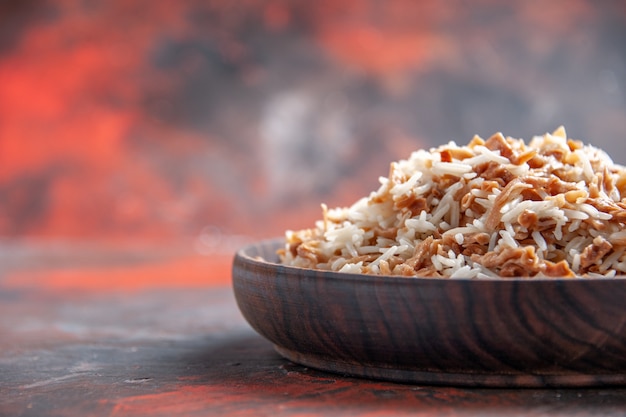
(203, 125)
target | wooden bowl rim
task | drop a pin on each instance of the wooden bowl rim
(243, 255)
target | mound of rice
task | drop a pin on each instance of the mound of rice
(492, 208)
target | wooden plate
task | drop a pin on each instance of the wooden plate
(474, 332)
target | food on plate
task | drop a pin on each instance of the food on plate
(554, 207)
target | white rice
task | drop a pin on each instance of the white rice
(492, 208)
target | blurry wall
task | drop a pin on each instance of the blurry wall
(163, 119)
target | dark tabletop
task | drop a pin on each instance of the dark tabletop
(70, 346)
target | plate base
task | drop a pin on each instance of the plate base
(517, 380)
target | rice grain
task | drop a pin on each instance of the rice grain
(493, 208)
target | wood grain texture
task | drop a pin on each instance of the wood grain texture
(509, 332)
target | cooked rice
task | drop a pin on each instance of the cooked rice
(493, 208)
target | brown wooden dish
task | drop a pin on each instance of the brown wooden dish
(475, 332)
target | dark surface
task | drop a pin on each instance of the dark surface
(174, 349)
(481, 332)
